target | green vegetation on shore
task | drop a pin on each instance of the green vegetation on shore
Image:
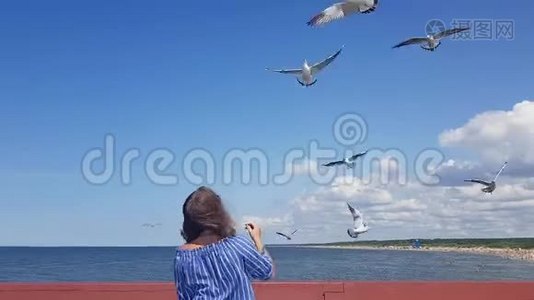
(504, 243)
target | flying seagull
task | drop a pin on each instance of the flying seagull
(307, 72)
(343, 9)
(287, 236)
(347, 161)
(432, 41)
(360, 226)
(151, 225)
(489, 186)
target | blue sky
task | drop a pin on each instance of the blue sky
(175, 75)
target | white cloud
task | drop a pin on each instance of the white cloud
(429, 212)
(409, 211)
(304, 167)
(453, 172)
(266, 222)
(451, 209)
(498, 136)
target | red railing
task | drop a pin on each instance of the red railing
(281, 290)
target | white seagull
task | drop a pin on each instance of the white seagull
(489, 186)
(432, 41)
(347, 161)
(343, 9)
(151, 225)
(360, 226)
(307, 72)
(287, 236)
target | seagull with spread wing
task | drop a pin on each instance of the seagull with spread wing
(343, 9)
(307, 72)
(359, 226)
(489, 186)
(432, 41)
(347, 161)
(287, 236)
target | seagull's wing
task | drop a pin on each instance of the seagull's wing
(284, 235)
(478, 181)
(416, 40)
(286, 71)
(335, 12)
(321, 65)
(294, 231)
(449, 32)
(354, 157)
(500, 171)
(356, 216)
(366, 6)
(334, 163)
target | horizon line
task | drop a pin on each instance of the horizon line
(286, 245)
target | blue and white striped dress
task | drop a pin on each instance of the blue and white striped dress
(223, 270)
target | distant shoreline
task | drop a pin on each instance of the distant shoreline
(510, 253)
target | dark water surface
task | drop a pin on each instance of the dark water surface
(292, 263)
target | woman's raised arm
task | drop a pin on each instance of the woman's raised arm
(257, 265)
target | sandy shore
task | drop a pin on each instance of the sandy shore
(519, 254)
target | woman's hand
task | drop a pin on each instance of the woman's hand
(253, 230)
(255, 234)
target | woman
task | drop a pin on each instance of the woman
(215, 263)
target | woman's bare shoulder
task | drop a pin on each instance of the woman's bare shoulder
(202, 242)
(187, 247)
